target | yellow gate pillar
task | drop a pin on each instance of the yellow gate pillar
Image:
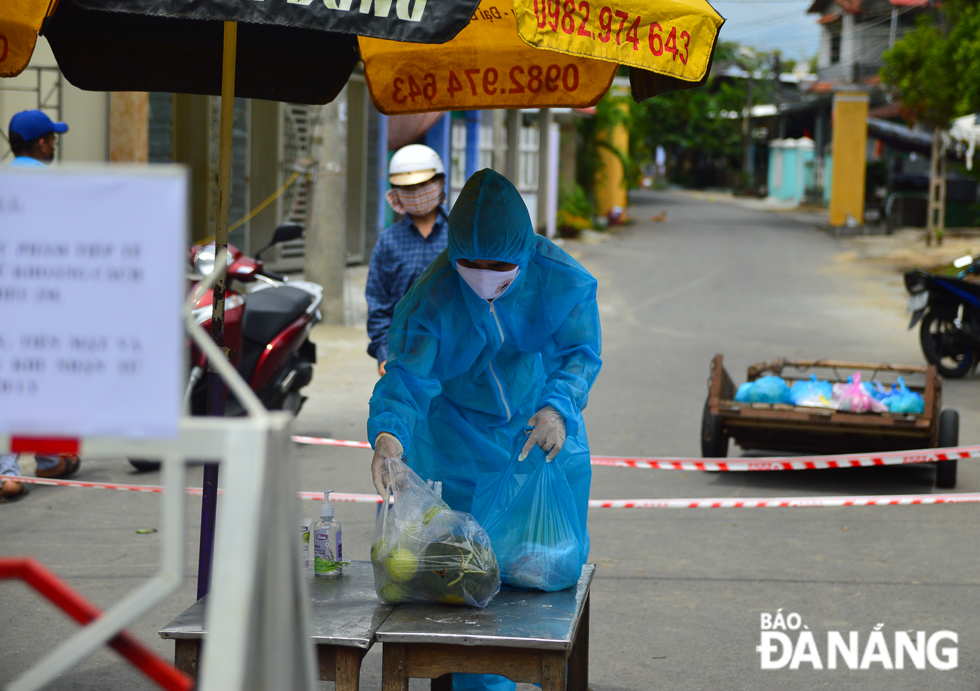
(850, 143)
(610, 178)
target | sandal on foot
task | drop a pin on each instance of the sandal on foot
(68, 465)
(9, 498)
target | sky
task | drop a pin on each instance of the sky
(770, 25)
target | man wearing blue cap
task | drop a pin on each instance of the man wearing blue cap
(32, 138)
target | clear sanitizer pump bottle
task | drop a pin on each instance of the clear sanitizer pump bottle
(328, 554)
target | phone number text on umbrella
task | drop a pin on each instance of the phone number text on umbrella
(490, 81)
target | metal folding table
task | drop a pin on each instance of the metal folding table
(525, 636)
(345, 614)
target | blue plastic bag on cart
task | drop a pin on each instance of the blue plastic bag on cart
(811, 392)
(901, 399)
(529, 512)
(768, 389)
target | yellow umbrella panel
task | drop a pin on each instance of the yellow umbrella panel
(20, 20)
(486, 66)
(675, 38)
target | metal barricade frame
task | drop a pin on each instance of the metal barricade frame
(258, 610)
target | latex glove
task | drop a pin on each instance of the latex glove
(385, 446)
(548, 433)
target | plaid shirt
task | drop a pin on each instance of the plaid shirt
(400, 257)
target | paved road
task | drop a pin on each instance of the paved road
(679, 594)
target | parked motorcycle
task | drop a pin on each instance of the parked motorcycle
(949, 309)
(268, 319)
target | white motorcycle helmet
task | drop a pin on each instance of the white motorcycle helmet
(413, 164)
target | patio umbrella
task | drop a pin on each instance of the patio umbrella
(545, 53)
(19, 24)
(303, 51)
(487, 65)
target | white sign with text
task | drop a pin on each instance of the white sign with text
(91, 285)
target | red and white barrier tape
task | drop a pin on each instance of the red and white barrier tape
(769, 463)
(795, 462)
(717, 503)
(320, 441)
(787, 502)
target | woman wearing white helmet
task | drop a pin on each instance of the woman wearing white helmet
(405, 249)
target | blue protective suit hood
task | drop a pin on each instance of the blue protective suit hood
(489, 220)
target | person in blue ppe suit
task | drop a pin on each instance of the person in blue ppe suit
(501, 331)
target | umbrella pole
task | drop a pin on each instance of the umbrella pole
(215, 385)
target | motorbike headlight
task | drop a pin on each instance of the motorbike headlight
(204, 261)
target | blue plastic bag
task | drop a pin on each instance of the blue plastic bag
(874, 389)
(529, 512)
(811, 392)
(768, 389)
(903, 400)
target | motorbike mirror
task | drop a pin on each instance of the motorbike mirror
(284, 233)
(287, 232)
(965, 260)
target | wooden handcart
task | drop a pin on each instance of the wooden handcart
(815, 431)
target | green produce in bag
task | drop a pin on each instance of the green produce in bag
(423, 551)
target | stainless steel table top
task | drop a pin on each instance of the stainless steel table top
(513, 619)
(344, 610)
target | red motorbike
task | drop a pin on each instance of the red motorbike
(268, 319)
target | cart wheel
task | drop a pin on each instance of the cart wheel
(714, 443)
(949, 435)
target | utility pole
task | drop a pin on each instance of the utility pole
(777, 68)
(499, 142)
(747, 164)
(514, 118)
(326, 230)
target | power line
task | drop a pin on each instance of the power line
(766, 24)
(719, 3)
(782, 18)
(772, 21)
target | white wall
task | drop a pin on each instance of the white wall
(86, 112)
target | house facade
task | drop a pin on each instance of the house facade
(854, 34)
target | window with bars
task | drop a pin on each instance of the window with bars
(528, 153)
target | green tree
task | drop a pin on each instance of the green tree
(920, 69)
(690, 125)
(705, 123)
(934, 72)
(965, 38)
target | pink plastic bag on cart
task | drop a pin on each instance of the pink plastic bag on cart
(854, 399)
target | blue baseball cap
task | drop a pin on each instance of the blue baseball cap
(31, 124)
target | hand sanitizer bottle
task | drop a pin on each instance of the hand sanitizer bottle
(304, 544)
(327, 545)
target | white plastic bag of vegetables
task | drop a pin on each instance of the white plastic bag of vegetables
(423, 551)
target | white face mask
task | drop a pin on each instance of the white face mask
(488, 284)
